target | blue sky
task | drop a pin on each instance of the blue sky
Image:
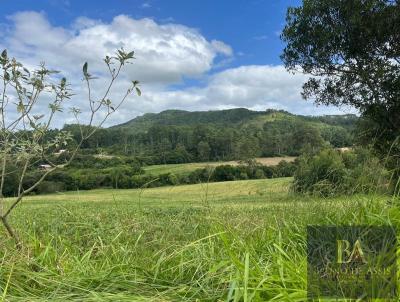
(192, 55)
(251, 27)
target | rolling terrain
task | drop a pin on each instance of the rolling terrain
(177, 136)
(238, 117)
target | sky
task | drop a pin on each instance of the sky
(190, 55)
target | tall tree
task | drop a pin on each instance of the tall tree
(203, 151)
(351, 49)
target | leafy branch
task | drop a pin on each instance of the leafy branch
(25, 136)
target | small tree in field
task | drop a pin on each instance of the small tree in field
(25, 140)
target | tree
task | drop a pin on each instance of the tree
(25, 127)
(304, 136)
(351, 49)
(203, 151)
(247, 147)
(181, 154)
(338, 137)
(164, 147)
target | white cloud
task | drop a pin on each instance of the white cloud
(166, 54)
(259, 87)
(145, 5)
(221, 47)
(256, 87)
(84, 22)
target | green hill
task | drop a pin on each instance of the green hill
(178, 136)
(238, 117)
(188, 118)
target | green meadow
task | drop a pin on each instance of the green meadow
(226, 241)
(186, 168)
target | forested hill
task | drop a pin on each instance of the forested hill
(176, 136)
(189, 118)
(229, 117)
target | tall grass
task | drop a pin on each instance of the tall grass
(247, 244)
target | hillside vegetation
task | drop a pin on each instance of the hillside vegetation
(176, 136)
(230, 117)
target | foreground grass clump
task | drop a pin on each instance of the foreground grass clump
(231, 241)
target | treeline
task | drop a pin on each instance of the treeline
(162, 144)
(89, 172)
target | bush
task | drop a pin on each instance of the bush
(93, 181)
(200, 175)
(259, 173)
(173, 179)
(365, 172)
(285, 169)
(50, 187)
(145, 181)
(225, 173)
(10, 186)
(269, 171)
(320, 174)
(330, 172)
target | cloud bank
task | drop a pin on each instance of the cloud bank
(167, 55)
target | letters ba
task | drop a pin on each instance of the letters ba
(352, 262)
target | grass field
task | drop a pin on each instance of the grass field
(189, 167)
(228, 241)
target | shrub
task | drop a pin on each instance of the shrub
(243, 176)
(92, 181)
(259, 173)
(365, 173)
(145, 181)
(285, 169)
(319, 174)
(224, 173)
(269, 171)
(200, 175)
(330, 172)
(173, 179)
(10, 186)
(50, 187)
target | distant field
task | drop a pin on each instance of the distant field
(189, 167)
(254, 191)
(227, 241)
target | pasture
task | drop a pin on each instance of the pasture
(186, 168)
(227, 241)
